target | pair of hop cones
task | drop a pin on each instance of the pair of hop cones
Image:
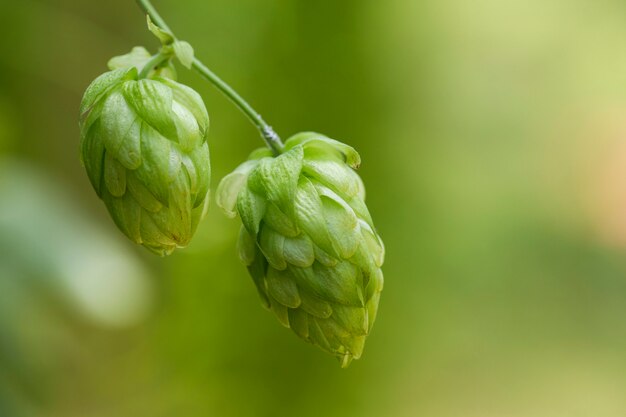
(307, 237)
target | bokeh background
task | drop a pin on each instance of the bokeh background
(493, 135)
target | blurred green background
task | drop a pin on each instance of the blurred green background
(493, 135)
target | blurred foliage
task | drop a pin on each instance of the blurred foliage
(492, 134)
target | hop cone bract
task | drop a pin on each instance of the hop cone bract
(308, 240)
(143, 144)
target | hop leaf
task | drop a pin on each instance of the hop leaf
(309, 241)
(165, 36)
(184, 53)
(181, 49)
(143, 145)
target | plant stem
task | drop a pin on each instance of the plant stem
(267, 132)
(154, 62)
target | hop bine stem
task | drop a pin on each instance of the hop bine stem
(154, 62)
(267, 132)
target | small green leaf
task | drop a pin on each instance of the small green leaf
(92, 155)
(138, 57)
(190, 99)
(353, 319)
(246, 247)
(120, 129)
(231, 185)
(102, 85)
(375, 245)
(313, 305)
(372, 309)
(341, 222)
(251, 209)
(360, 208)
(299, 322)
(164, 36)
(272, 244)
(114, 176)
(324, 258)
(189, 134)
(152, 101)
(126, 214)
(175, 163)
(348, 153)
(334, 334)
(192, 175)
(282, 288)
(375, 284)
(154, 174)
(280, 222)
(184, 53)
(335, 175)
(317, 335)
(280, 178)
(281, 312)
(202, 161)
(316, 141)
(151, 233)
(339, 284)
(301, 138)
(310, 215)
(200, 211)
(142, 194)
(176, 220)
(299, 251)
(257, 270)
(255, 179)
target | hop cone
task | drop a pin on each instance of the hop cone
(143, 144)
(308, 240)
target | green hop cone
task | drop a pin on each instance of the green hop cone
(143, 144)
(309, 241)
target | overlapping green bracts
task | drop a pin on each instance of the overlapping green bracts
(143, 144)
(308, 240)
